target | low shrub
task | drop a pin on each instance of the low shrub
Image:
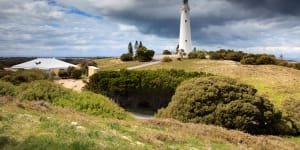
(40, 90)
(196, 54)
(297, 66)
(167, 52)
(6, 89)
(227, 103)
(126, 57)
(76, 74)
(87, 102)
(166, 59)
(26, 76)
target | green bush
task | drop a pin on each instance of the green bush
(26, 76)
(6, 89)
(196, 54)
(291, 108)
(166, 59)
(87, 102)
(40, 90)
(224, 102)
(166, 52)
(63, 74)
(139, 88)
(297, 66)
(215, 56)
(76, 74)
(126, 57)
(144, 55)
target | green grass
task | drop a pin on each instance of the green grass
(115, 64)
(275, 82)
(29, 127)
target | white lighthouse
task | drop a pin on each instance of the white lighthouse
(185, 38)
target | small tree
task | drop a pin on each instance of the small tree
(136, 45)
(177, 49)
(141, 44)
(126, 57)
(166, 52)
(130, 49)
(144, 55)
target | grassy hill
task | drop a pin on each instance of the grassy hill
(275, 82)
(34, 125)
(115, 64)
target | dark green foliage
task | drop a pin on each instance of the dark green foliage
(166, 59)
(26, 76)
(223, 54)
(76, 74)
(87, 102)
(224, 102)
(126, 57)
(258, 59)
(297, 66)
(291, 108)
(130, 49)
(196, 54)
(6, 89)
(139, 88)
(215, 56)
(63, 74)
(144, 55)
(166, 52)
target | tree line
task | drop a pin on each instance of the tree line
(142, 53)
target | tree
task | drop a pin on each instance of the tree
(130, 49)
(177, 49)
(144, 55)
(141, 44)
(136, 45)
(126, 57)
(166, 52)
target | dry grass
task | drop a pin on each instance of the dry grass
(115, 64)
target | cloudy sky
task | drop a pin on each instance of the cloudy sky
(104, 27)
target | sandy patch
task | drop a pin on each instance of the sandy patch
(76, 85)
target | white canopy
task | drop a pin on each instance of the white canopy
(43, 64)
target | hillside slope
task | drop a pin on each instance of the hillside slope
(275, 82)
(34, 125)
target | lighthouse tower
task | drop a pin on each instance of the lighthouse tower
(185, 39)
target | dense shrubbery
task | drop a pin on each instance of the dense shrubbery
(152, 89)
(166, 59)
(258, 59)
(25, 76)
(126, 57)
(143, 54)
(6, 89)
(225, 102)
(291, 108)
(226, 55)
(297, 66)
(196, 54)
(88, 102)
(71, 72)
(167, 52)
(40, 90)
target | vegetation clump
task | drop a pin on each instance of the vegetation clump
(167, 52)
(126, 57)
(227, 103)
(196, 54)
(87, 102)
(166, 59)
(25, 76)
(152, 89)
(6, 89)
